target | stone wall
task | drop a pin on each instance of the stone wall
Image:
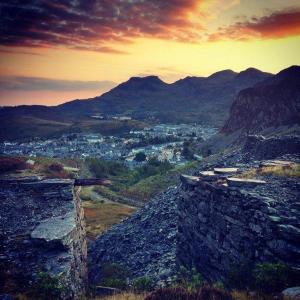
(41, 230)
(257, 147)
(220, 227)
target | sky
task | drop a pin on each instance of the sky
(53, 51)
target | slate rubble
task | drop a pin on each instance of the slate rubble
(41, 230)
(205, 223)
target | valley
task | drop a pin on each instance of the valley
(195, 204)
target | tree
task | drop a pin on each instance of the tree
(140, 156)
(187, 151)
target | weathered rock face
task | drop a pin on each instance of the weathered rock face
(273, 102)
(41, 230)
(145, 244)
(205, 224)
(220, 227)
(258, 147)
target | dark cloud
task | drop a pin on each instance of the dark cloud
(279, 24)
(19, 83)
(92, 25)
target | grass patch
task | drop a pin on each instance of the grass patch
(285, 171)
(292, 170)
(139, 184)
(43, 166)
(249, 174)
(124, 296)
(153, 185)
(149, 187)
(101, 216)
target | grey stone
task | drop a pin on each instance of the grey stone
(42, 230)
(225, 170)
(292, 293)
(242, 182)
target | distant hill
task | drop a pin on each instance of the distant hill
(203, 100)
(273, 102)
(192, 99)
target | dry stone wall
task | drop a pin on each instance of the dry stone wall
(41, 230)
(220, 227)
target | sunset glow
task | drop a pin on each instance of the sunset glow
(71, 46)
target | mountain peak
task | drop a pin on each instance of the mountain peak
(149, 78)
(290, 71)
(141, 83)
(221, 75)
(251, 73)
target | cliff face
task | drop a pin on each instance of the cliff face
(41, 230)
(271, 103)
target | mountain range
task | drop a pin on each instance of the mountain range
(192, 99)
(225, 97)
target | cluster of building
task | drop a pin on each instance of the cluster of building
(167, 145)
(182, 131)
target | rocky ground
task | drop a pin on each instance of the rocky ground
(145, 243)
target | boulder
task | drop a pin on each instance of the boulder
(242, 182)
(189, 180)
(225, 170)
(292, 293)
(208, 175)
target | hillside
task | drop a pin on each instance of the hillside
(271, 103)
(193, 99)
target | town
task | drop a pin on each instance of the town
(163, 141)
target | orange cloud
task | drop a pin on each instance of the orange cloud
(95, 25)
(279, 24)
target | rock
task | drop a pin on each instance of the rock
(242, 182)
(208, 175)
(42, 230)
(6, 297)
(275, 163)
(145, 243)
(207, 226)
(56, 228)
(30, 162)
(292, 293)
(105, 291)
(260, 148)
(225, 170)
(189, 180)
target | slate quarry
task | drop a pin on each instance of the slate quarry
(41, 230)
(207, 224)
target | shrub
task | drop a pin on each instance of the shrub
(264, 278)
(219, 285)
(189, 279)
(240, 276)
(179, 293)
(114, 275)
(49, 287)
(143, 284)
(102, 168)
(274, 277)
(9, 164)
(140, 156)
(212, 293)
(56, 167)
